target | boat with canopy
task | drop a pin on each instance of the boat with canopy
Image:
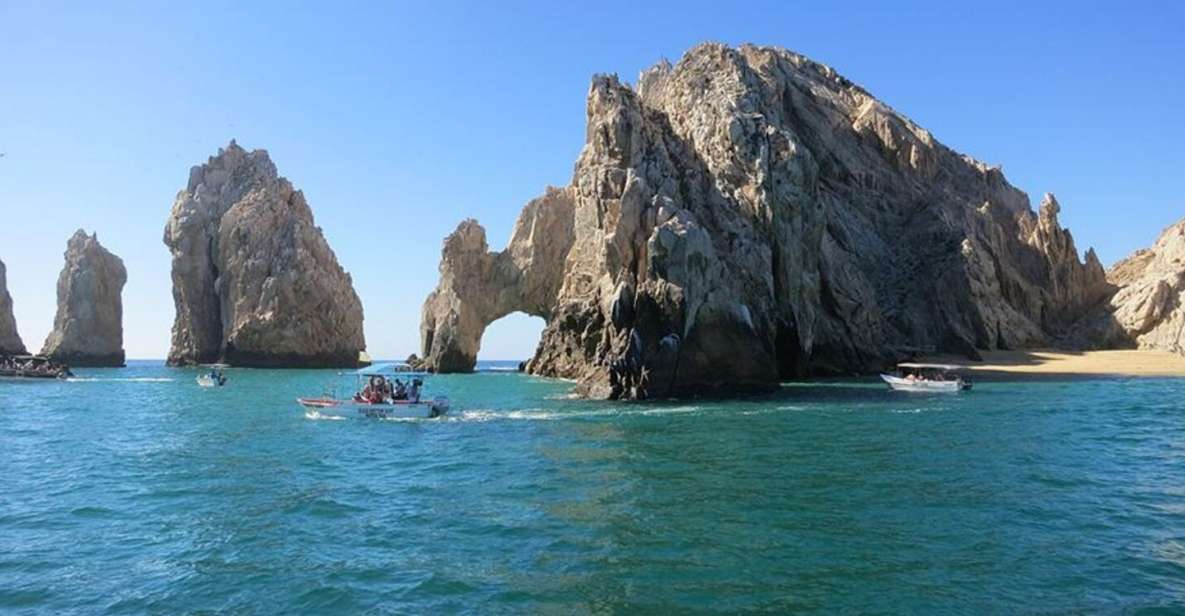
(920, 377)
(382, 391)
(32, 367)
(214, 378)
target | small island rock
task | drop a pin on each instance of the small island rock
(254, 281)
(10, 339)
(88, 327)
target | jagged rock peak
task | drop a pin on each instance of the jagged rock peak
(88, 326)
(10, 339)
(749, 215)
(478, 287)
(1148, 309)
(254, 281)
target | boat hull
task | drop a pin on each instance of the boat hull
(205, 381)
(897, 383)
(401, 409)
(25, 376)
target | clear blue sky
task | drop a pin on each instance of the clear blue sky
(425, 116)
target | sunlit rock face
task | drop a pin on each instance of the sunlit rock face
(10, 340)
(88, 326)
(1148, 308)
(749, 215)
(254, 281)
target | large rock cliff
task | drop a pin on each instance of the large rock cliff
(10, 339)
(1148, 308)
(88, 327)
(254, 281)
(750, 215)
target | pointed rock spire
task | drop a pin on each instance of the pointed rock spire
(88, 327)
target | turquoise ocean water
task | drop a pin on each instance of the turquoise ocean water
(134, 491)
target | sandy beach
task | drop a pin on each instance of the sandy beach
(1040, 364)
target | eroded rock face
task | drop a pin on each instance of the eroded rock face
(10, 339)
(88, 327)
(749, 215)
(1148, 310)
(254, 281)
(478, 287)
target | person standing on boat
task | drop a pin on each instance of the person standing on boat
(414, 396)
(400, 390)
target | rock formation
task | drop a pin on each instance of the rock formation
(10, 339)
(749, 215)
(88, 327)
(254, 281)
(1148, 309)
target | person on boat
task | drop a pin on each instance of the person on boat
(385, 389)
(414, 395)
(400, 390)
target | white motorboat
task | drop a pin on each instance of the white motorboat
(384, 391)
(213, 378)
(927, 378)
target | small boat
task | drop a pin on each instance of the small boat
(213, 378)
(32, 367)
(927, 378)
(384, 391)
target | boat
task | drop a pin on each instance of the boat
(32, 367)
(383, 391)
(927, 378)
(213, 378)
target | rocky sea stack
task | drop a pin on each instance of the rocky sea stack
(749, 215)
(88, 327)
(254, 281)
(10, 339)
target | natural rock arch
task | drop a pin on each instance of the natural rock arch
(750, 214)
(478, 287)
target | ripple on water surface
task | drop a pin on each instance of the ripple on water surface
(133, 490)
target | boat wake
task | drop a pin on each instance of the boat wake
(314, 415)
(133, 379)
(553, 415)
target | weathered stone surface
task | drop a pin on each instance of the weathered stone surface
(10, 339)
(254, 281)
(749, 215)
(1148, 309)
(88, 327)
(478, 287)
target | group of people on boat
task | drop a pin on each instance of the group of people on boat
(921, 376)
(381, 390)
(36, 367)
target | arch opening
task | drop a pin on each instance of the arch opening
(510, 339)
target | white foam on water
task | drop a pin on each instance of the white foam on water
(311, 414)
(551, 415)
(134, 379)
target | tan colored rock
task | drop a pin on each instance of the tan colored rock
(478, 287)
(88, 327)
(749, 215)
(10, 339)
(1148, 310)
(254, 281)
